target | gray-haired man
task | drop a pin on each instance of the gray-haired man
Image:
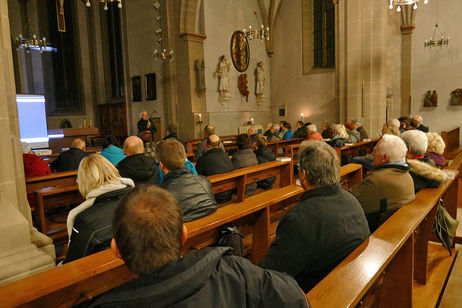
(325, 226)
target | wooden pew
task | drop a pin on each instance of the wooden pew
(275, 146)
(380, 272)
(451, 139)
(57, 179)
(360, 148)
(88, 277)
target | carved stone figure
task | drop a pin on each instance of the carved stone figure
(260, 79)
(242, 85)
(428, 99)
(199, 67)
(456, 97)
(435, 98)
(223, 75)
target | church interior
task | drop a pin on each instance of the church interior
(100, 67)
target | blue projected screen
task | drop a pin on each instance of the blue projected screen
(32, 120)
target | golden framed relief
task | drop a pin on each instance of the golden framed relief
(240, 51)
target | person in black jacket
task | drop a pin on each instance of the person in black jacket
(148, 235)
(193, 192)
(70, 159)
(264, 155)
(245, 157)
(172, 133)
(145, 124)
(215, 161)
(417, 123)
(90, 224)
(137, 166)
(301, 130)
(325, 226)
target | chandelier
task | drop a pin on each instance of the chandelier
(162, 54)
(119, 5)
(28, 43)
(400, 3)
(262, 33)
(432, 42)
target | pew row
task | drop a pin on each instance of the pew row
(380, 272)
(361, 148)
(452, 140)
(57, 179)
(91, 276)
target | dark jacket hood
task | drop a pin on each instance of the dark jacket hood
(137, 167)
(400, 165)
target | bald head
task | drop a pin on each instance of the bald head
(133, 145)
(78, 144)
(209, 130)
(213, 142)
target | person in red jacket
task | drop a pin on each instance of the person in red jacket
(33, 165)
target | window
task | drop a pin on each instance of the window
(318, 35)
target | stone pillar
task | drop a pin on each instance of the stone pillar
(23, 250)
(407, 27)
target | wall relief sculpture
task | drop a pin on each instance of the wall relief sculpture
(240, 51)
(456, 97)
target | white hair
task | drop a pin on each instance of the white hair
(393, 146)
(341, 130)
(356, 122)
(416, 140)
(418, 118)
(395, 122)
(312, 127)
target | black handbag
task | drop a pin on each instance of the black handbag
(445, 227)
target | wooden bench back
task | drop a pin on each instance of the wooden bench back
(57, 179)
(357, 149)
(275, 146)
(451, 139)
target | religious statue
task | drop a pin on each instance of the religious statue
(60, 15)
(435, 98)
(456, 97)
(199, 67)
(222, 73)
(260, 79)
(242, 85)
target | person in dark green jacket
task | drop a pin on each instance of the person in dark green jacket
(301, 131)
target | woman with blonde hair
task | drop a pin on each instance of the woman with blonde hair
(89, 225)
(340, 136)
(435, 148)
(390, 129)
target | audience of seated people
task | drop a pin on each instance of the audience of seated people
(389, 186)
(148, 235)
(201, 147)
(149, 145)
(301, 130)
(137, 166)
(423, 170)
(435, 148)
(111, 150)
(244, 157)
(264, 155)
(215, 161)
(362, 132)
(70, 159)
(89, 225)
(287, 131)
(339, 136)
(312, 132)
(324, 227)
(33, 165)
(353, 135)
(193, 192)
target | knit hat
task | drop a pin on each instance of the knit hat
(26, 149)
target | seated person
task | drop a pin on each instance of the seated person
(148, 236)
(339, 137)
(145, 124)
(287, 131)
(390, 129)
(313, 132)
(89, 225)
(273, 135)
(435, 148)
(264, 155)
(33, 165)
(172, 133)
(244, 157)
(353, 134)
(252, 132)
(201, 148)
(149, 145)
(404, 123)
(187, 164)
(215, 161)
(267, 129)
(389, 186)
(362, 132)
(417, 122)
(193, 192)
(70, 159)
(325, 226)
(301, 130)
(327, 131)
(423, 171)
(111, 150)
(137, 166)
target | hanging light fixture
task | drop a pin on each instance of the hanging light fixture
(30, 41)
(443, 41)
(261, 33)
(163, 54)
(119, 5)
(400, 3)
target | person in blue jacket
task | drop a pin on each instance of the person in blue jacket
(111, 150)
(287, 131)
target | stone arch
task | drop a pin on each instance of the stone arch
(189, 15)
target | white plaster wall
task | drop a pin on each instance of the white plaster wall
(222, 18)
(141, 43)
(312, 94)
(439, 68)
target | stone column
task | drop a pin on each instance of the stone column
(23, 250)
(407, 27)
